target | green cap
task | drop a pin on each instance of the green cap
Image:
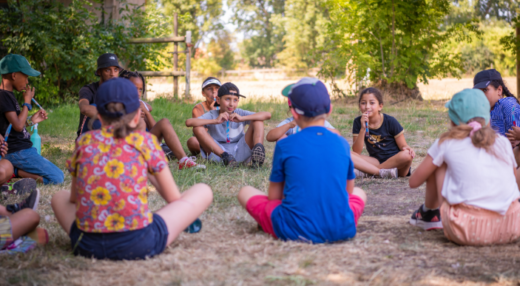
(468, 104)
(287, 89)
(16, 63)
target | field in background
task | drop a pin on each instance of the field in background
(231, 251)
(435, 90)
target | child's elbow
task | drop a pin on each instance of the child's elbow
(189, 123)
(267, 115)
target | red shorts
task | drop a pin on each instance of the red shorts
(260, 208)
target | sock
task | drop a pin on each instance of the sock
(425, 209)
(183, 159)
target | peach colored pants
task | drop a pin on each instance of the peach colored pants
(469, 225)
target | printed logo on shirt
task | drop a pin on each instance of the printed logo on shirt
(236, 132)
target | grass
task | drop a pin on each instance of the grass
(229, 250)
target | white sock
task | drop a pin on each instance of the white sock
(183, 159)
(425, 209)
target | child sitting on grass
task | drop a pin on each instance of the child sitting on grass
(225, 139)
(106, 212)
(311, 196)
(27, 163)
(470, 174)
(210, 88)
(162, 129)
(384, 138)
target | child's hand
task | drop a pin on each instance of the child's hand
(235, 117)
(28, 94)
(3, 148)
(292, 124)
(39, 116)
(513, 134)
(364, 119)
(410, 151)
(223, 117)
(143, 109)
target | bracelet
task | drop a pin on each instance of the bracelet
(29, 106)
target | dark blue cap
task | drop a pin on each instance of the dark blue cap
(116, 90)
(228, 89)
(309, 97)
(484, 78)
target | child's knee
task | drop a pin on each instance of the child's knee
(164, 122)
(360, 193)
(30, 216)
(192, 142)
(58, 198)
(205, 191)
(405, 156)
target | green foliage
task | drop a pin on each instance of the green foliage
(305, 25)
(63, 42)
(220, 49)
(264, 38)
(395, 41)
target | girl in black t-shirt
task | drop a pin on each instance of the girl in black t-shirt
(384, 138)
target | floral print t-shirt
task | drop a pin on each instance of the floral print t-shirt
(111, 177)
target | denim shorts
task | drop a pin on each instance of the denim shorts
(30, 161)
(128, 245)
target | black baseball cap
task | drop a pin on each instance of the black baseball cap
(119, 90)
(227, 89)
(105, 61)
(484, 78)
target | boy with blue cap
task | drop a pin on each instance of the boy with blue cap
(311, 196)
(463, 195)
(27, 163)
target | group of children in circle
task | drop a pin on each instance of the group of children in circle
(106, 211)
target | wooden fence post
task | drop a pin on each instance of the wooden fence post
(175, 57)
(518, 59)
(188, 64)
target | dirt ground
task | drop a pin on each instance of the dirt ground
(230, 250)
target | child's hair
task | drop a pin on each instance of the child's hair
(482, 138)
(130, 74)
(498, 82)
(371, 90)
(120, 124)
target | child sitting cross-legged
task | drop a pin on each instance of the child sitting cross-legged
(225, 140)
(106, 212)
(162, 129)
(471, 190)
(311, 196)
(383, 137)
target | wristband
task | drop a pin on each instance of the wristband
(29, 106)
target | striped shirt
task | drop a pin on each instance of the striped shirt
(501, 115)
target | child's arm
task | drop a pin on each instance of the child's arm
(73, 191)
(259, 116)
(278, 132)
(350, 186)
(275, 191)
(195, 122)
(167, 187)
(401, 143)
(359, 139)
(197, 111)
(423, 172)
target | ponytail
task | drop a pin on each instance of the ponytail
(121, 127)
(499, 82)
(482, 138)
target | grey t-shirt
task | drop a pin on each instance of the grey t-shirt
(218, 131)
(296, 129)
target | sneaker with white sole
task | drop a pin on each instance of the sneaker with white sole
(389, 173)
(31, 202)
(190, 163)
(427, 220)
(258, 155)
(360, 174)
(21, 187)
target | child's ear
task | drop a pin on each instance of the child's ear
(294, 114)
(135, 120)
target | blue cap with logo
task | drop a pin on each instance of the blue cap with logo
(309, 97)
(117, 90)
(485, 77)
(468, 104)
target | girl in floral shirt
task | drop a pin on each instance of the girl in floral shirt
(106, 212)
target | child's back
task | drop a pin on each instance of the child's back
(475, 176)
(315, 165)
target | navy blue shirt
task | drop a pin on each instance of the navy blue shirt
(315, 165)
(381, 142)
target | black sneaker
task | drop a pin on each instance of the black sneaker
(21, 187)
(228, 159)
(31, 202)
(258, 155)
(427, 220)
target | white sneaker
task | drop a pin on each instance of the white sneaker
(360, 174)
(389, 173)
(190, 163)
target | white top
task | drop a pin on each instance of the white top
(476, 177)
(297, 128)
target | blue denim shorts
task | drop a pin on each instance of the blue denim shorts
(128, 245)
(30, 161)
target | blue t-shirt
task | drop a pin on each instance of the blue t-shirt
(501, 115)
(315, 165)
